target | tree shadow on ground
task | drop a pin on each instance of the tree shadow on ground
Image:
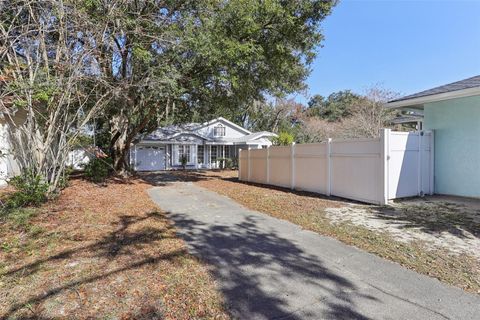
(432, 217)
(429, 215)
(302, 193)
(124, 243)
(163, 178)
(260, 273)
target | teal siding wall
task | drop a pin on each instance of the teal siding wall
(457, 145)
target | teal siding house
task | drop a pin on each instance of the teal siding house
(452, 112)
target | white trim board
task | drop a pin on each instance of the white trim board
(420, 101)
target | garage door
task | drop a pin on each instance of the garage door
(150, 159)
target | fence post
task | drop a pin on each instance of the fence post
(240, 164)
(329, 166)
(419, 164)
(432, 162)
(249, 165)
(292, 163)
(268, 165)
(384, 159)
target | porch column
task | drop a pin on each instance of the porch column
(209, 156)
(196, 156)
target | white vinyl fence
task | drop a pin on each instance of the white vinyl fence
(396, 165)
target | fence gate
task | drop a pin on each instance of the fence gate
(410, 164)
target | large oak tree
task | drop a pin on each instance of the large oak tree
(163, 61)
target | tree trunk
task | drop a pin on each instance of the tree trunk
(120, 145)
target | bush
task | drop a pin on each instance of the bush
(31, 190)
(235, 163)
(283, 139)
(98, 169)
(184, 161)
(226, 163)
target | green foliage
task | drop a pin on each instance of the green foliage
(31, 190)
(184, 161)
(142, 55)
(235, 163)
(337, 106)
(168, 60)
(19, 217)
(82, 141)
(283, 139)
(226, 163)
(98, 169)
(91, 4)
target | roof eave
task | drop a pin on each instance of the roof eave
(224, 120)
(420, 101)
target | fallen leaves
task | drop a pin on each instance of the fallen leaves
(103, 252)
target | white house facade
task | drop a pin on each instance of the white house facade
(203, 145)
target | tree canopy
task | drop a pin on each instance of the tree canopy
(336, 106)
(133, 65)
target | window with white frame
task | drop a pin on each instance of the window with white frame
(219, 131)
(200, 153)
(184, 150)
(213, 154)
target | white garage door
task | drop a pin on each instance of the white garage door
(150, 159)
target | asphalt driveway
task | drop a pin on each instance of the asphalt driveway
(272, 269)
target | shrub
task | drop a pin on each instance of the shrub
(283, 139)
(226, 163)
(184, 161)
(235, 163)
(31, 190)
(98, 169)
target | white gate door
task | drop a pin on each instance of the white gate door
(150, 159)
(410, 164)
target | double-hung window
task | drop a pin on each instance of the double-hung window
(200, 153)
(184, 150)
(219, 131)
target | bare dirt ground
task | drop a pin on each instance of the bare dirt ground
(435, 236)
(448, 223)
(101, 252)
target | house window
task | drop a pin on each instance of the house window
(213, 154)
(200, 152)
(184, 150)
(219, 131)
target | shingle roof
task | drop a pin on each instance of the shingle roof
(167, 132)
(472, 82)
(253, 136)
(186, 132)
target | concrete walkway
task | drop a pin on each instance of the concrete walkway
(272, 269)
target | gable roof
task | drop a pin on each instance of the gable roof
(462, 88)
(183, 132)
(222, 119)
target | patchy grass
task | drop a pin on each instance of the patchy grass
(101, 252)
(308, 211)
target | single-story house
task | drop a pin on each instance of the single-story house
(452, 112)
(204, 145)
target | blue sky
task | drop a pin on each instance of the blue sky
(405, 46)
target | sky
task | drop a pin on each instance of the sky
(404, 46)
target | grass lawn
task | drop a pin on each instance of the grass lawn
(309, 211)
(101, 252)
